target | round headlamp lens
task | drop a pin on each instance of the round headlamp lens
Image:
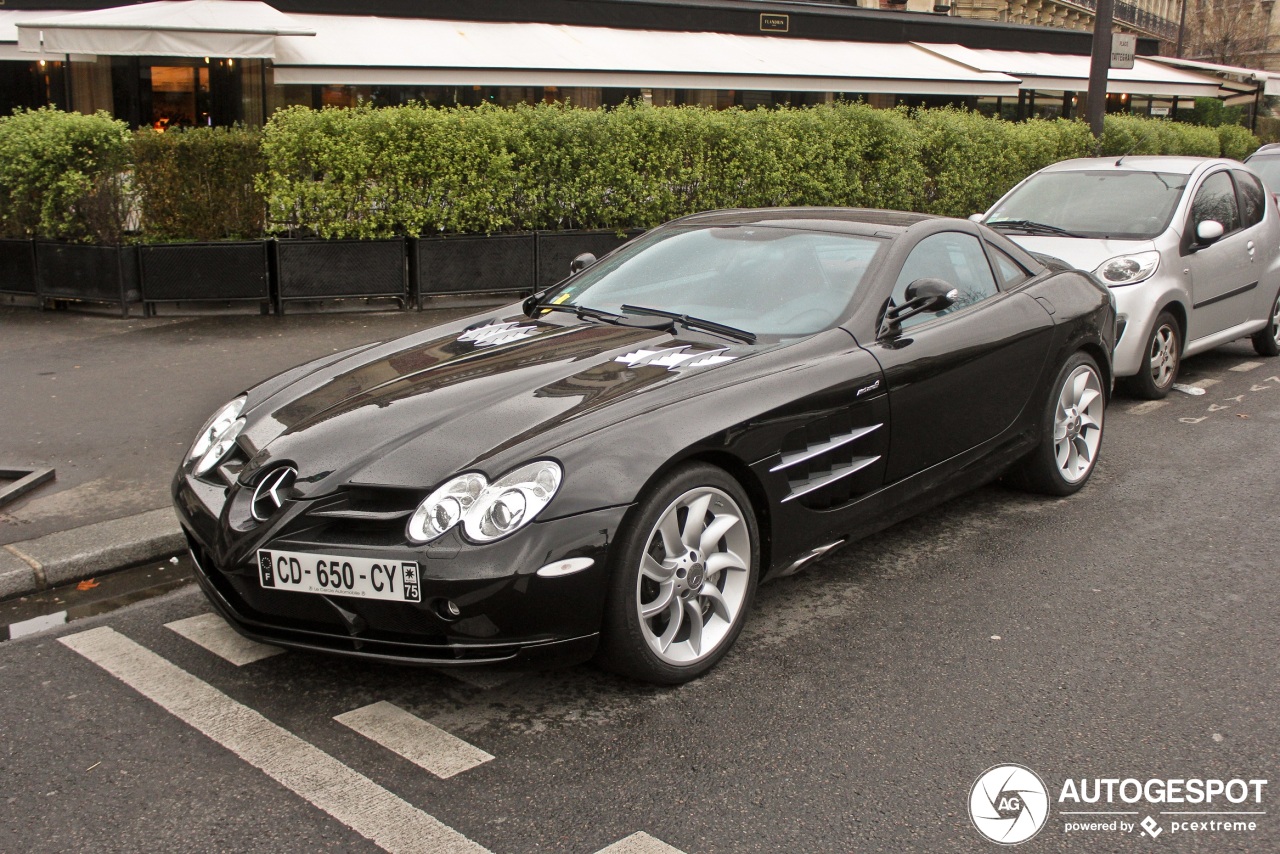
(445, 507)
(215, 427)
(220, 446)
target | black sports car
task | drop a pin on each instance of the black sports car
(611, 466)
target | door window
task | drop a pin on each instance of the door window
(1253, 199)
(1216, 201)
(955, 258)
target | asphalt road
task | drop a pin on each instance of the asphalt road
(1130, 631)
(112, 404)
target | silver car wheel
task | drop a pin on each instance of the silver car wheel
(1077, 424)
(1164, 355)
(694, 576)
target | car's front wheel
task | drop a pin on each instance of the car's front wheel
(1266, 341)
(1072, 431)
(683, 580)
(1160, 360)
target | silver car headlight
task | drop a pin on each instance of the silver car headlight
(1128, 269)
(486, 511)
(217, 436)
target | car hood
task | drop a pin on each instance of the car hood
(456, 397)
(1084, 253)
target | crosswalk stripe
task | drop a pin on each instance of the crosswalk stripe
(212, 632)
(640, 843)
(422, 743)
(353, 799)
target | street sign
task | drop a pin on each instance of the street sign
(1123, 48)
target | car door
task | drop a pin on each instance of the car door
(1223, 273)
(959, 377)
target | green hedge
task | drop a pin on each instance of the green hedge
(62, 175)
(198, 184)
(379, 172)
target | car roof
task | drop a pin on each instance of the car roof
(845, 220)
(1175, 164)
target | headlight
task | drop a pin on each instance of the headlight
(1129, 269)
(220, 431)
(487, 512)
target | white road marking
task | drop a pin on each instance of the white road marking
(1149, 406)
(1205, 383)
(423, 744)
(640, 843)
(212, 632)
(353, 799)
(1246, 366)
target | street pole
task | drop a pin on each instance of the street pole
(1100, 61)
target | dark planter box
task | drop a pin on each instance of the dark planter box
(80, 271)
(474, 264)
(340, 269)
(18, 267)
(557, 248)
(234, 271)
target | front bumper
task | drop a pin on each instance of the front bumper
(508, 613)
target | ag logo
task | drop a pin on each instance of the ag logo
(1009, 804)
(271, 492)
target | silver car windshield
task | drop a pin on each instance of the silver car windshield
(1100, 203)
(767, 279)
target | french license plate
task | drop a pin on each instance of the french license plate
(393, 580)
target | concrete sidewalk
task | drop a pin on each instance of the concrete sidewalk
(112, 404)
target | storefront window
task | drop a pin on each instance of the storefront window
(177, 94)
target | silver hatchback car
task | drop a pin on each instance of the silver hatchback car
(1189, 246)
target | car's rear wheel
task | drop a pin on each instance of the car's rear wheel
(1071, 432)
(1160, 360)
(1266, 341)
(683, 580)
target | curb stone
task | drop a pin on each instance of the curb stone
(64, 556)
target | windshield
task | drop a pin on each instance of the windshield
(766, 279)
(1097, 203)
(1268, 169)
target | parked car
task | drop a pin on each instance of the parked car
(1190, 247)
(1266, 163)
(610, 466)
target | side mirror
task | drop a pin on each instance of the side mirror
(928, 294)
(1209, 231)
(580, 263)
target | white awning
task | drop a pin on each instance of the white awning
(240, 29)
(1269, 80)
(1070, 73)
(9, 20)
(399, 51)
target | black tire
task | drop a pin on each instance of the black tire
(709, 585)
(1070, 431)
(1160, 361)
(1266, 341)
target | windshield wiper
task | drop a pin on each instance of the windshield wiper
(1032, 227)
(695, 322)
(580, 311)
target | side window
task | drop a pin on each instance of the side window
(1253, 199)
(953, 257)
(1010, 271)
(1216, 200)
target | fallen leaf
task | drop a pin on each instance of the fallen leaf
(87, 585)
(1241, 415)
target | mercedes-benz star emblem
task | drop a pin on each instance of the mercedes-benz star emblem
(270, 493)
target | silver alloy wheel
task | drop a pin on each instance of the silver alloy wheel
(1077, 424)
(1164, 355)
(694, 576)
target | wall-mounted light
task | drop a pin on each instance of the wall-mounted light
(43, 64)
(231, 63)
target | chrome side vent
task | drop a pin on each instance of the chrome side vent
(804, 487)
(823, 459)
